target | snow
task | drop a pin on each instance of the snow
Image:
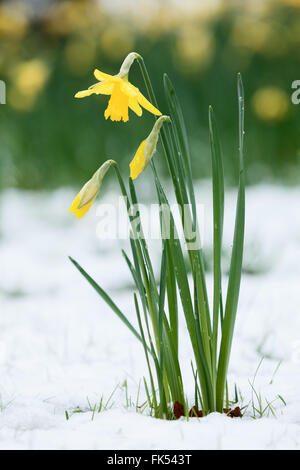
(62, 348)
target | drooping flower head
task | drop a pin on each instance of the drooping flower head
(146, 149)
(123, 94)
(89, 191)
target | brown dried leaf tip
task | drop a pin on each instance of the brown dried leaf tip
(178, 410)
(195, 413)
(235, 413)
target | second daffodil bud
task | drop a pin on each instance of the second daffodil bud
(89, 191)
(146, 149)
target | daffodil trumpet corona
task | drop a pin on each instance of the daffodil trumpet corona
(146, 149)
(86, 196)
(123, 94)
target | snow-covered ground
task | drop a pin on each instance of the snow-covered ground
(61, 347)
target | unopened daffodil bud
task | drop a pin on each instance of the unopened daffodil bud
(146, 149)
(89, 191)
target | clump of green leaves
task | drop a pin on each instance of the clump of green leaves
(157, 301)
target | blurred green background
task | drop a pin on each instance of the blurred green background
(49, 50)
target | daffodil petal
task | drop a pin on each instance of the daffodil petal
(138, 162)
(147, 105)
(130, 90)
(75, 203)
(117, 108)
(83, 210)
(84, 93)
(103, 88)
(102, 76)
(134, 106)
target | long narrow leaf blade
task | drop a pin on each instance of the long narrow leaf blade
(218, 217)
(235, 265)
(106, 298)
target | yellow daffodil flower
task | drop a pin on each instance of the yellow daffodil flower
(146, 149)
(88, 193)
(123, 94)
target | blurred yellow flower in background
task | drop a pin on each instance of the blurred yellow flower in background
(80, 54)
(292, 3)
(116, 41)
(28, 80)
(162, 21)
(67, 17)
(250, 33)
(31, 76)
(124, 95)
(294, 36)
(259, 35)
(13, 20)
(271, 103)
(194, 49)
